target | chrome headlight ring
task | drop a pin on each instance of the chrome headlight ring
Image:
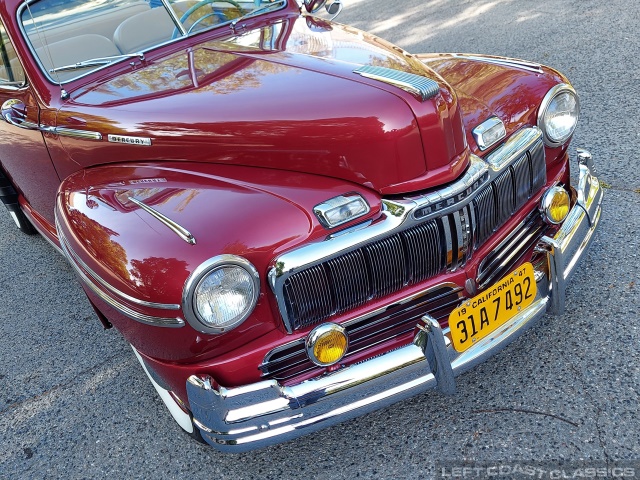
(564, 97)
(211, 278)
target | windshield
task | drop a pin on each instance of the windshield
(71, 38)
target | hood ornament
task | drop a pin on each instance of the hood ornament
(422, 87)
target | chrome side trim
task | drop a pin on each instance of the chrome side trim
(503, 62)
(108, 286)
(179, 230)
(422, 87)
(70, 132)
(398, 215)
(128, 312)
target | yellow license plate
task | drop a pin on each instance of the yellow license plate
(477, 317)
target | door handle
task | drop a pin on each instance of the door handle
(14, 112)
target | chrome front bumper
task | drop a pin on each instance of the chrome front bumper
(265, 413)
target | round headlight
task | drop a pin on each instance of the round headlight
(220, 294)
(558, 114)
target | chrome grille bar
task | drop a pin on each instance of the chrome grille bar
(420, 243)
(351, 285)
(386, 263)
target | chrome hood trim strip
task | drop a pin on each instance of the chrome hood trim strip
(503, 62)
(422, 87)
(179, 230)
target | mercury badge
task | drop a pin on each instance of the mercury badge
(129, 140)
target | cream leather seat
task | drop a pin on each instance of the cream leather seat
(144, 30)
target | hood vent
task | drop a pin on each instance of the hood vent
(422, 87)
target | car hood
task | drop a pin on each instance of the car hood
(281, 96)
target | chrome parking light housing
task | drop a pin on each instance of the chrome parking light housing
(220, 294)
(489, 132)
(341, 209)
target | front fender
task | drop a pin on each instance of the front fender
(134, 266)
(486, 86)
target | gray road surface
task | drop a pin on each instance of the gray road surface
(75, 404)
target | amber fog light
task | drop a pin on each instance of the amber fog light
(327, 344)
(555, 205)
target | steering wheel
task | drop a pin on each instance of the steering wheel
(198, 6)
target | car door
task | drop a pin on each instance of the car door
(23, 154)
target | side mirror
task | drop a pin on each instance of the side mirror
(334, 8)
(312, 6)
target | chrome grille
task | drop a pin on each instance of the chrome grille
(421, 242)
(538, 166)
(522, 179)
(348, 274)
(485, 204)
(384, 266)
(503, 187)
(309, 295)
(289, 361)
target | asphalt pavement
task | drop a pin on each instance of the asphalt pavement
(74, 403)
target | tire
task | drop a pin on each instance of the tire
(21, 220)
(9, 196)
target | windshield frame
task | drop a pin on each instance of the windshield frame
(52, 77)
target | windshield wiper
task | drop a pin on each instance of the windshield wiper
(96, 62)
(265, 8)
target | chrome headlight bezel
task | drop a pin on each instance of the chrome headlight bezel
(547, 101)
(189, 308)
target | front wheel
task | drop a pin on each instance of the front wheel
(9, 197)
(20, 219)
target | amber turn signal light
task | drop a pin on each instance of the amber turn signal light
(555, 205)
(327, 344)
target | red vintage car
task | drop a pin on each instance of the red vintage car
(291, 221)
